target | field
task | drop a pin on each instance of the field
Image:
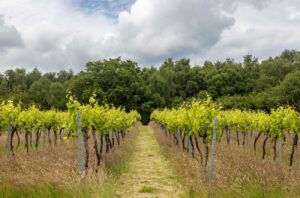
(196, 150)
(147, 164)
(149, 99)
(239, 171)
(53, 171)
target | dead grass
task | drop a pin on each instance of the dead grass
(58, 165)
(52, 164)
(239, 171)
(2, 144)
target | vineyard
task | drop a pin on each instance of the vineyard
(107, 125)
(196, 121)
(149, 99)
(204, 144)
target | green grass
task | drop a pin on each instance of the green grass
(147, 189)
(247, 191)
(52, 191)
(115, 170)
(34, 191)
(257, 191)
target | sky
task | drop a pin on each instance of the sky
(53, 35)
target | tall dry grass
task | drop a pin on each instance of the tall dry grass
(57, 167)
(239, 172)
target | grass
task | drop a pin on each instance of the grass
(49, 172)
(117, 166)
(238, 171)
(147, 189)
(21, 148)
(250, 190)
(148, 171)
(51, 190)
(35, 191)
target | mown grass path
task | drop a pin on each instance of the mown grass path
(149, 173)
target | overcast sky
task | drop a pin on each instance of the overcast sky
(65, 34)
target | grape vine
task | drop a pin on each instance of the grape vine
(105, 123)
(195, 120)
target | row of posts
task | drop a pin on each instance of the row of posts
(80, 149)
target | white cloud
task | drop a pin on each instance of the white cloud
(261, 32)
(56, 34)
(154, 30)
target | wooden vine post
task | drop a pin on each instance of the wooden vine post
(44, 134)
(178, 137)
(9, 140)
(280, 150)
(80, 145)
(212, 157)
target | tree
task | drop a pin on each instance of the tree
(32, 77)
(57, 96)
(39, 92)
(64, 76)
(289, 90)
(225, 79)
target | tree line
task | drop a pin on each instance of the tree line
(250, 84)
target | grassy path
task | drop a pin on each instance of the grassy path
(149, 174)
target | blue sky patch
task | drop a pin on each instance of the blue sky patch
(110, 8)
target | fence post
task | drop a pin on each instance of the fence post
(178, 137)
(80, 146)
(280, 150)
(9, 142)
(62, 134)
(103, 145)
(247, 138)
(188, 146)
(212, 157)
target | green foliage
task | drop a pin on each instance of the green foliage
(9, 114)
(30, 119)
(246, 85)
(101, 118)
(197, 118)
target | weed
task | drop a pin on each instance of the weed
(147, 189)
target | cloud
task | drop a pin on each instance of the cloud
(261, 32)
(157, 29)
(54, 32)
(260, 4)
(9, 36)
(64, 34)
